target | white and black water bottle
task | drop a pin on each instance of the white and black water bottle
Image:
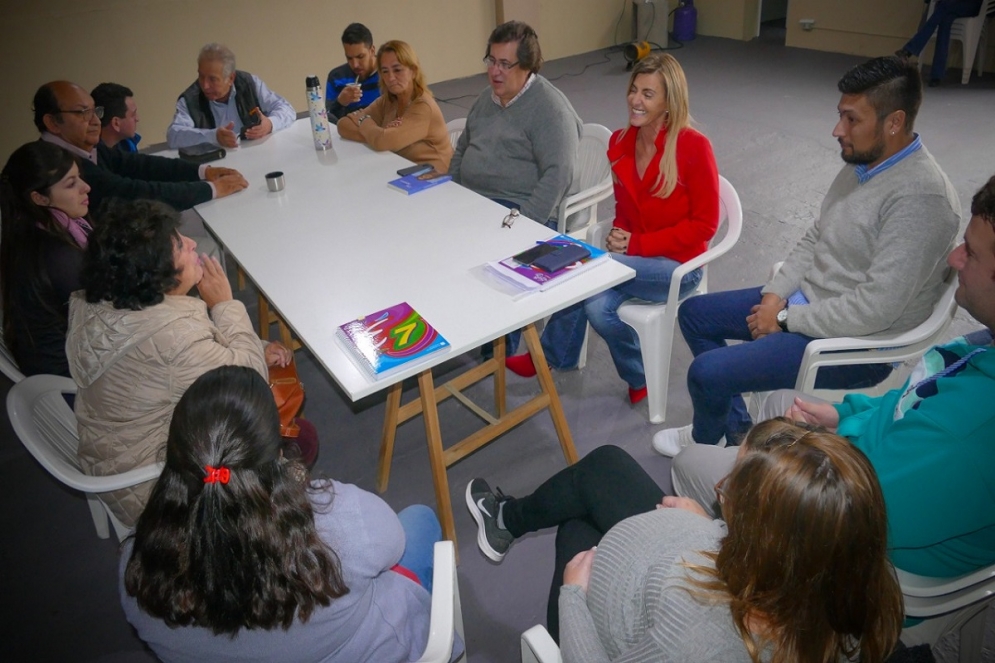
(319, 115)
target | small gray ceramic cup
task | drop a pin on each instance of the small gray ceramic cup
(275, 181)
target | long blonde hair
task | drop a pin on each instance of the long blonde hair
(806, 550)
(675, 91)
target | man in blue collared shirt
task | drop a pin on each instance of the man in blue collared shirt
(224, 105)
(872, 262)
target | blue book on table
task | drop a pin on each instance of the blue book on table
(414, 183)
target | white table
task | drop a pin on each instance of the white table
(338, 244)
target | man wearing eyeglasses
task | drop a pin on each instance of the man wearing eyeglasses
(521, 137)
(66, 115)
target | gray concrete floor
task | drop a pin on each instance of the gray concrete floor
(769, 111)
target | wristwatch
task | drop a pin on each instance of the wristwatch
(782, 318)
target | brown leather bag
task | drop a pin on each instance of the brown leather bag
(288, 392)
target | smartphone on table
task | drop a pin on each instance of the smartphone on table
(417, 169)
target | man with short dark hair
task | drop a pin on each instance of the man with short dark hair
(520, 143)
(225, 105)
(66, 115)
(872, 262)
(931, 442)
(356, 84)
(119, 125)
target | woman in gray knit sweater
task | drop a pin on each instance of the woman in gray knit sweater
(796, 571)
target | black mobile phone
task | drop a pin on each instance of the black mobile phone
(202, 153)
(529, 256)
(564, 256)
(417, 169)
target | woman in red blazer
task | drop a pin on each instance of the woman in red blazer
(666, 212)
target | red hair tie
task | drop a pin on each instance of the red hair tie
(219, 475)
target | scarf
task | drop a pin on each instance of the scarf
(78, 228)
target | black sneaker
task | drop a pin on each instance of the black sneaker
(483, 504)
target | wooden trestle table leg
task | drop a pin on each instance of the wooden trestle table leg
(427, 406)
(389, 433)
(546, 382)
(500, 351)
(440, 479)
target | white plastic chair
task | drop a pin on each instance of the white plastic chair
(972, 34)
(7, 364)
(592, 182)
(447, 613)
(47, 427)
(455, 130)
(924, 597)
(538, 646)
(653, 322)
(884, 348)
(929, 597)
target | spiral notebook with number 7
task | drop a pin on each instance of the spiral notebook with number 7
(388, 341)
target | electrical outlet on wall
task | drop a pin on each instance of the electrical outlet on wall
(807, 24)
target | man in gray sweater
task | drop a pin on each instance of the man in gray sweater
(872, 262)
(521, 137)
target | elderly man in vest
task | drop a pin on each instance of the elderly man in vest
(224, 104)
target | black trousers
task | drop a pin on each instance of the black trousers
(583, 501)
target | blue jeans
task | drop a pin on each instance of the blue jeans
(421, 532)
(563, 337)
(942, 18)
(721, 372)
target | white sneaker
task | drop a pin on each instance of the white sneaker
(669, 441)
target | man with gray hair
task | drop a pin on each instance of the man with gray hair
(224, 104)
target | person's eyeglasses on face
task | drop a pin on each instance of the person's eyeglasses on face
(504, 65)
(87, 113)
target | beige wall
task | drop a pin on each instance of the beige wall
(854, 26)
(151, 45)
(864, 28)
(735, 19)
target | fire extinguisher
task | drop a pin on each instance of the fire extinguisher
(685, 21)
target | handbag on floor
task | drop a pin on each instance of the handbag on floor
(288, 392)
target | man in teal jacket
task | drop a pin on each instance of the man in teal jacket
(932, 442)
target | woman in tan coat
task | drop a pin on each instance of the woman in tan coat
(136, 341)
(405, 119)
